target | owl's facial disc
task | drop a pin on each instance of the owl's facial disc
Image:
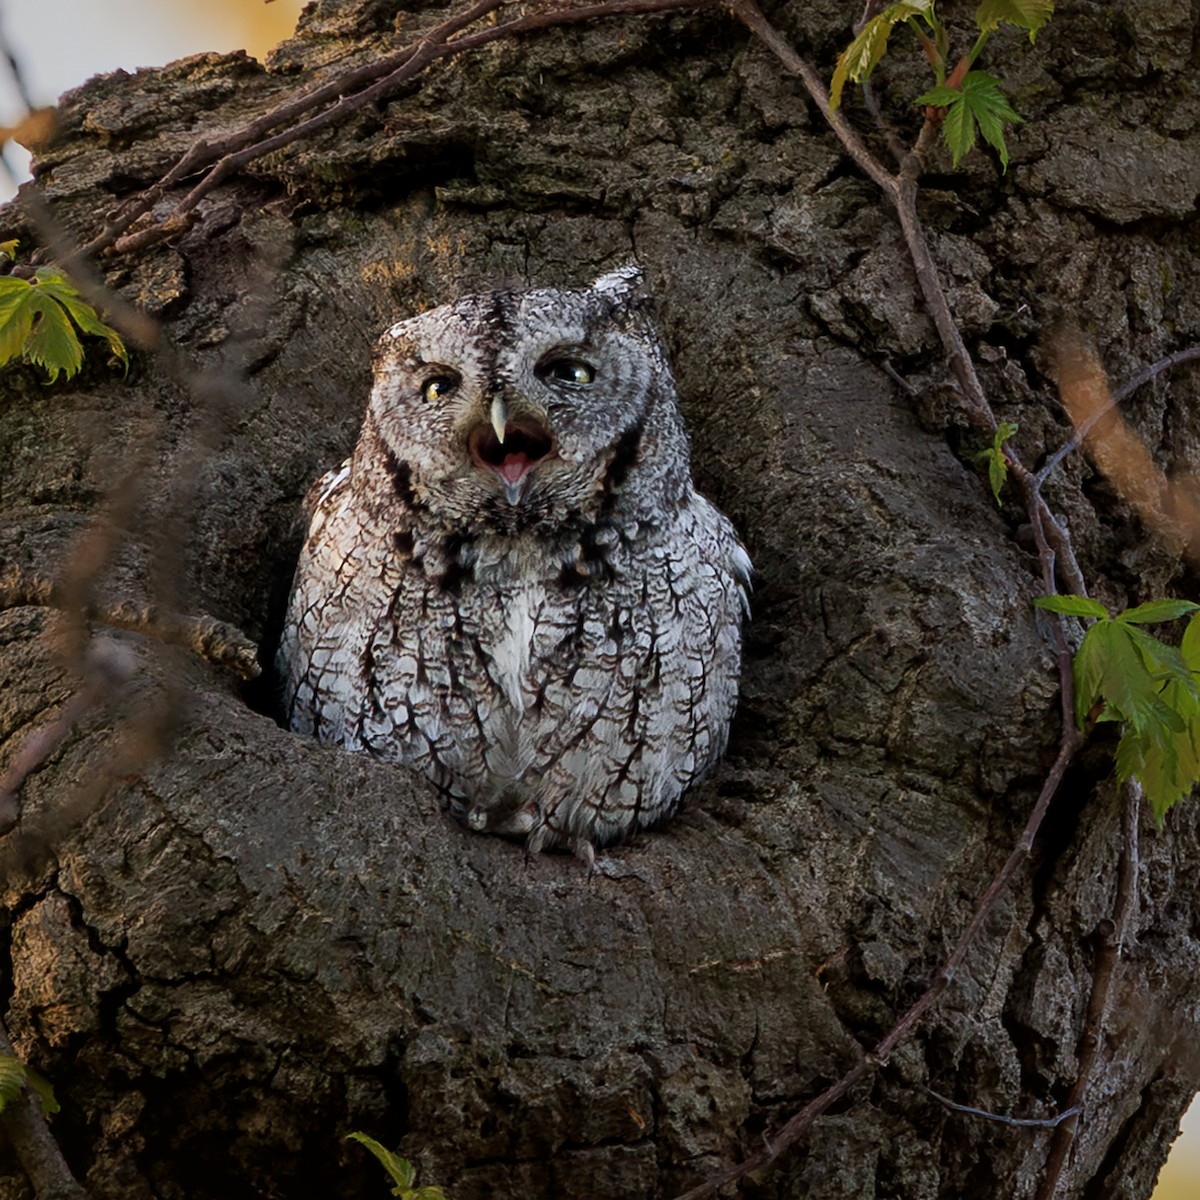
(525, 444)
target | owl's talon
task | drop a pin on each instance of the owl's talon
(586, 853)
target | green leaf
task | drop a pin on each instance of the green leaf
(1153, 688)
(979, 106)
(1025, 14)
(997, 474)
(36, 323)
(42, 1088)
(1072, 606)
(1110, 667)
(1154, 611)
(16, 316)
(52, 344)
(59, 287)
(1189, 645)
(994, 455)
(15, 1076)
(12, 1079)
(1164, 663)
(1166, 765)
(863, 54)
(403, 1173)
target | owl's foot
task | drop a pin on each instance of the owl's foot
(545, 838)
(484, 818)
(586, 853)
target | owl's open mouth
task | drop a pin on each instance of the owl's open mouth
(525, 445)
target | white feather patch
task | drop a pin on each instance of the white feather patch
(514, 648)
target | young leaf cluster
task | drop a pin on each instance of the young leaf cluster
(977, 105)
(1123, 673)
(39, 318)
(997, 464)
(15, 1075)
(969, 102)
(402, 1172)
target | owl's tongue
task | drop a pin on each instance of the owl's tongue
(514, 466)
(524, 446)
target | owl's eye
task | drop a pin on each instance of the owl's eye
(568, 370)
(438, 387)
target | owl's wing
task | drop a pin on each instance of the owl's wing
(317, 501)
(320, 492)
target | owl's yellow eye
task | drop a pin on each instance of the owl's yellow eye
(569, 370)
(438, 387)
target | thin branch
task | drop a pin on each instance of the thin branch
(1054, 549)
(789, 1134)
(202, 154)
(1041, 521)
(752, 17)
(901, 189)
(1112, 933)
(351, 91)
(35, 1147)
(999, 1118)
(801, 1123)
(1181, 357)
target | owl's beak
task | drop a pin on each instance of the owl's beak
(499, 417)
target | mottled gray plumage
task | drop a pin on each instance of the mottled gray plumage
(546, 623)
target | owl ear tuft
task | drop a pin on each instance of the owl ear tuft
(622, 287)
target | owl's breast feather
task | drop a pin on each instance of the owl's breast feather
(511, 651)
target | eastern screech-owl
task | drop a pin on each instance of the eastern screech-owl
(512, 584)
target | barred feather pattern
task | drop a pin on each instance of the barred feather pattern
(512, 585)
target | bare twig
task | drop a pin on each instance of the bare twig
(752, 17)
(346, 94)
(202, 154)
(1111, 933)
(1041, 521)
(799, 1125)
(38, 1152)
(1192, 354)
(1054, 550)
(999, 1118)
(1169, 506)
(15, 71)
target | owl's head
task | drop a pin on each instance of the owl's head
(529, 411)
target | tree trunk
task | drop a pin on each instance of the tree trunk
(228, 953)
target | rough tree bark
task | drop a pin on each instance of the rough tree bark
(228, 955)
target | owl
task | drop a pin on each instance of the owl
(512, 585)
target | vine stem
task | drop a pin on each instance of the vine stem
(34, 1146)
(1178, 359)
(1000, 1119)
(1053, 546)
(345, 94)
(1111, 935)
(879, 1055)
